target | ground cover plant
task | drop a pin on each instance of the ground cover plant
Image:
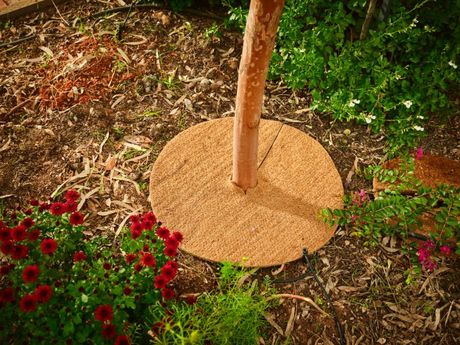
(59, 286)
(188, 71)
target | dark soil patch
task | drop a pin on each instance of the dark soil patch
(104, 146)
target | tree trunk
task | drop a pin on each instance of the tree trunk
(259, 41)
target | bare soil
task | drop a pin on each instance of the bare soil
(81, 109)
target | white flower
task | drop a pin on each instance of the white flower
(408, 104)
(369, 118)
(452, 64)
(420, 117)
(353, 102)
(414, 23)
(418, 128)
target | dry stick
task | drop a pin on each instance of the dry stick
(259, 40)
(59, 13)
(367, 21)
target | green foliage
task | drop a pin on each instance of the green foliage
(391, 81)
(231, 315)
(82, 273)
(396, 211)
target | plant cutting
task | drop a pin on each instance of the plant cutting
(61, 284)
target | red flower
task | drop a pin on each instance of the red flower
(7, 247)
(48, 246)
(28, 222)
(30, 273)
(28, 212)
(57, 208)
(163, 232)
(104, 313)
(135, 234)
(169, 251)
(160, 282)
(71, 195)
(150, 217)
(34, 202)
(5, 269)
(167, 293)
(177, 236)
(147, 225)
(43, 293)
(76, 218)
(168, 272)
(136, 227)
(44, 206)
(18, 233)
(134, 218)
(130, 258)
(19, 251)
(5, 234)
(137, 267)
(28, 303)
(122, 340)
(34, 235)
(145, 248)
(108, 331)
(70, 206)
(7, 295)
(79, 256)
(107, 266)
(173, 264)
(127, 291)
(148, 260)
(172, 243)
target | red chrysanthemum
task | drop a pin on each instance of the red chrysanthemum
(146, 248)
(48, 246)
(190, 299)
(19, 251)
(70, 206)
(76, 218)
(104, 313)
(147, 225)
(30, 273)
(5, 269)
(127, 291)
(34, 202)
(150, 217)
(5, 234)
(71, 195)
(44, 206)
(57, 208)
(28, 222)
(79, 256)
(177, 236)
(160, 282)
(168, 272)
(136, 227)
(43, 293)
(108, 331)
(169, 251)
(122, 340)
(28, 303)
(34, 235)
(130, 258)
(148, 260)
(19, 233)
(134, 218)
(167, 293)
(107, 266)
(7, 295)
(138, 267)
(135, 234)
(173, 264)
(28, 212)
(163, 232)
(172, 243)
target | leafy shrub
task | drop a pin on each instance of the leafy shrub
(232, 315)
(394, 211)
(59, 284)
(392, 80)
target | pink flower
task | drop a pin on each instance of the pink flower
(445, 250)
(429, 265)
(419, 153)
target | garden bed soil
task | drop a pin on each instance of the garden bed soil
(72, 117)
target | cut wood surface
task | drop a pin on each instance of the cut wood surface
(17, 8)
(259, 40)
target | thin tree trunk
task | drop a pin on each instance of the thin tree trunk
(367, 21)
(259, 40)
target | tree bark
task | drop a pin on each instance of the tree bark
(259, 40)
(367, 21)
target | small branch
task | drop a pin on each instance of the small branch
(59, 13)
(367, 21)
(300, 298)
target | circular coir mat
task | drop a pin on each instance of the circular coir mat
(191, 191)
